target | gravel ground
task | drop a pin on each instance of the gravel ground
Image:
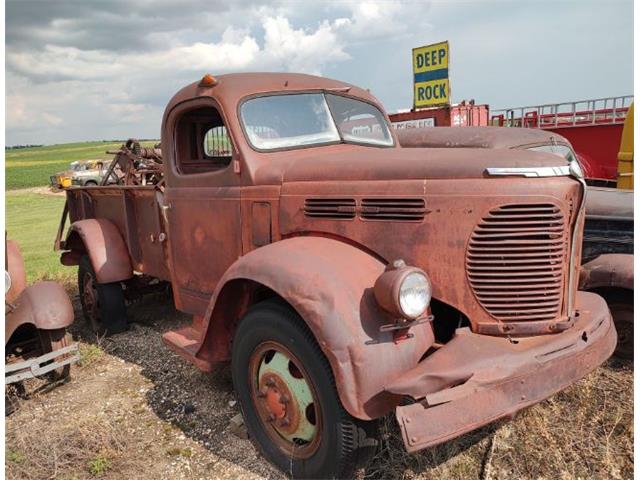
(134, 409)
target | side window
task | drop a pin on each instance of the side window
(202, 142)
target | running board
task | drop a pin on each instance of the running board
(31, 368)
(185, 343)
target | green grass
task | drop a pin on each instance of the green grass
(32, 167)
(32, 220)
(99, 465)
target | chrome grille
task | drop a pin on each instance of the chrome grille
(516, 261)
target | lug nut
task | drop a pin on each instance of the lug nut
(284, 398)
(271, 417)
(263, 393)
(270, 382)
(284, 422)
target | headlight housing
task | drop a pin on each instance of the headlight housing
(576, 169)
(7, 282)
(404, 292)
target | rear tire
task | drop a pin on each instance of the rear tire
(336, 443)
(103, 304)
(621, 305)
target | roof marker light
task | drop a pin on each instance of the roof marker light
(208, 81)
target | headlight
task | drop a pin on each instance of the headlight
(7, 282)
(415, 294)
(576, 169)
(404, 292)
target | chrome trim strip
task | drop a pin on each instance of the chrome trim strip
(560, 171)
(572, 270)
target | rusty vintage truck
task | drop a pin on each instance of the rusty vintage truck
(343, 276)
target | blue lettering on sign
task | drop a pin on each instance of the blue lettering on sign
(441, 74)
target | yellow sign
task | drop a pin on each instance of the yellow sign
(431, 75)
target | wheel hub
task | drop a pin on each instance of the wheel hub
(284, 399)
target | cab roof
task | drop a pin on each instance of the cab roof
(231, 88)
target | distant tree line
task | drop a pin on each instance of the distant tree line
(16, 147)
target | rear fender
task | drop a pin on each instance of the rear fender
(330, 285)
(107, 251)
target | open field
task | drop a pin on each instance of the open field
(133, 409)
(32, 219)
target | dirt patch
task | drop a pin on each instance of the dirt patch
(39, 190)
(136, 410)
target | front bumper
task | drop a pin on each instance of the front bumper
(476, 379)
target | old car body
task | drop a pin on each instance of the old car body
(36, 319)
(80, 172)
(607, 245)
(316, 205)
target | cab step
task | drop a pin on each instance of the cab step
(185, 343)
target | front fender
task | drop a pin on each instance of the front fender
(45, 305)
(105, 246)
(608, 270)
(330, 285)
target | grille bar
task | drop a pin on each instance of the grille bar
(336, 208)
(516, 261)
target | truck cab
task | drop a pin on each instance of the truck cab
(344, 276)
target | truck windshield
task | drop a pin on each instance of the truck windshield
(296, 120)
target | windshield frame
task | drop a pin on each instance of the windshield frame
(320, 91)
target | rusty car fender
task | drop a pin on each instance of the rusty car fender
(330, 285)
(608, 270)
(14, 265)
(44, 305)
(106, 248)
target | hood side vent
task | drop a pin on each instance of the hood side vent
(334, 208)
(393, 209)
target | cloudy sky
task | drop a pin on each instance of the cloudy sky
(86, 70)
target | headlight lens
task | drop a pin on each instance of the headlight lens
(576, 169)
(7, 282)
(414, 295)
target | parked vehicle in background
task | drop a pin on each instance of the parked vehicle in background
(85, 173)
(607, 244)
(345, 277)
(36, 319)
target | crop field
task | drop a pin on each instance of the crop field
(31, 167)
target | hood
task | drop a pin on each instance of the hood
(365, 163)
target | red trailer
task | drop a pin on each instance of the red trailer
(594, 128)
(463, 114)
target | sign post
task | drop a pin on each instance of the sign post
(431, 75)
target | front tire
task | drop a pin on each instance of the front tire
(287, 393)
(103, 304)
(52, 340)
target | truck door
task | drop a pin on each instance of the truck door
(202, 201)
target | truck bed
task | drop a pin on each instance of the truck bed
(135, 211)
